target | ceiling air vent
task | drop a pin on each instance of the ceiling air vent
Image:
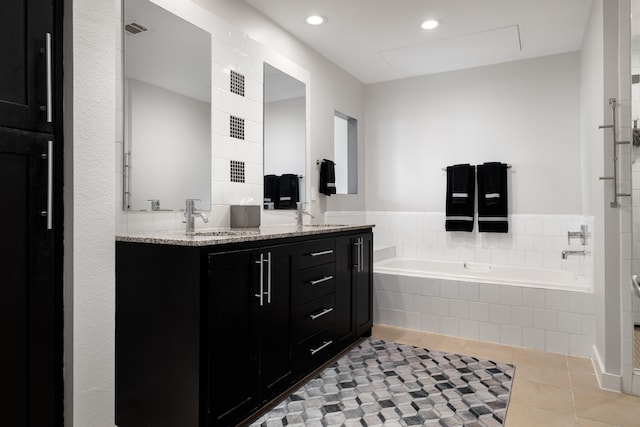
(134, 28)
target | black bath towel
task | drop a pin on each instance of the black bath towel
(270, 189)
(492, 198)
(327, 177)
(288, 191)
(460, 198)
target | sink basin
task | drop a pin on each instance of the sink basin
(326, 225)
(226, 233)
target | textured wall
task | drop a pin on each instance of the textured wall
(89, 205)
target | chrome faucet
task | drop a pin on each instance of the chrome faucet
(565, 254)
(582, 235)
(190, 215)
(301, 211)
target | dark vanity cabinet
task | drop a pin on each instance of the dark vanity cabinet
(31, 188)
(208, 335)
(249, 330)
(354, 296)
(314, 305)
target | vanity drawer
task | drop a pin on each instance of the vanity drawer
(317, 252)
(315, 351)
(315, 282)
(313, 317)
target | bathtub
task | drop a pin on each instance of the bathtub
(484, 273)
(541, 309)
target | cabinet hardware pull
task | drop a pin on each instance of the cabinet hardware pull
(324, 279)
(268, 261)
(261, 294)
(322, 313)
(361, 262)
(49, 105)
(358, 245)
(325, 344)
(330, 251)
(49, 185)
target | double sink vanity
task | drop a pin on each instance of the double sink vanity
(212, 327)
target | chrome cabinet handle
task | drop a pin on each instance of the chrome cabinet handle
(261, 294)
(330, 251)
(358, 245)
(49, 157)
(322, 313)
(324, 279)
(324, 345)
(268, 261)
(361, 253)
(49, 105)
(49, 185)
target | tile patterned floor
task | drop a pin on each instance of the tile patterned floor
(549, 389)
(383, 383)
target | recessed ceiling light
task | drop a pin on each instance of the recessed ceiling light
(429, 24)
(316, 20)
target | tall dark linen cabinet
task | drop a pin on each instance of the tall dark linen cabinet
(31, 213)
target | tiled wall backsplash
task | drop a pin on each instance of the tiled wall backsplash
(532, 241)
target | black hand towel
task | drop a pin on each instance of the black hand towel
(460, 198)
(288, 192)
(327, 177)
(492, 198)
(270, 189)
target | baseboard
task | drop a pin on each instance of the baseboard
(606, 381)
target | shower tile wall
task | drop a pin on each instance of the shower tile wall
(635, 115)
(533, 240)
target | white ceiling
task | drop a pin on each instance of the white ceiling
(380, 40)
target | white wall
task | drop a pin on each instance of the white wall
(599, 83)
(90, 123)
(630, 382)
(170, 144)
(524, 113)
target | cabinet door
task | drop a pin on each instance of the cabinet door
(345, 314)
(363, 284)
(27, 286)
(233, 371)
(24, 79)
(275, 321)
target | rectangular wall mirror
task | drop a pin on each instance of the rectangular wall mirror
(167, 140)
(285, 124)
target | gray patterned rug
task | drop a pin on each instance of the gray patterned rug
(380, 383)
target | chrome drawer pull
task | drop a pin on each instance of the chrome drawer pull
(268, 261)
(324, 345)
(260, 295)
(49, 211)
(324, 279)
(322, 313)
(330, 251)
(49, 78)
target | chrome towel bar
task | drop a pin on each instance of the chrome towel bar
(614, 178)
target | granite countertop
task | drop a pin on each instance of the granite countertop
(207, 237)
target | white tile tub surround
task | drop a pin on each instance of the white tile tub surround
(550, 320)
(533, 240)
